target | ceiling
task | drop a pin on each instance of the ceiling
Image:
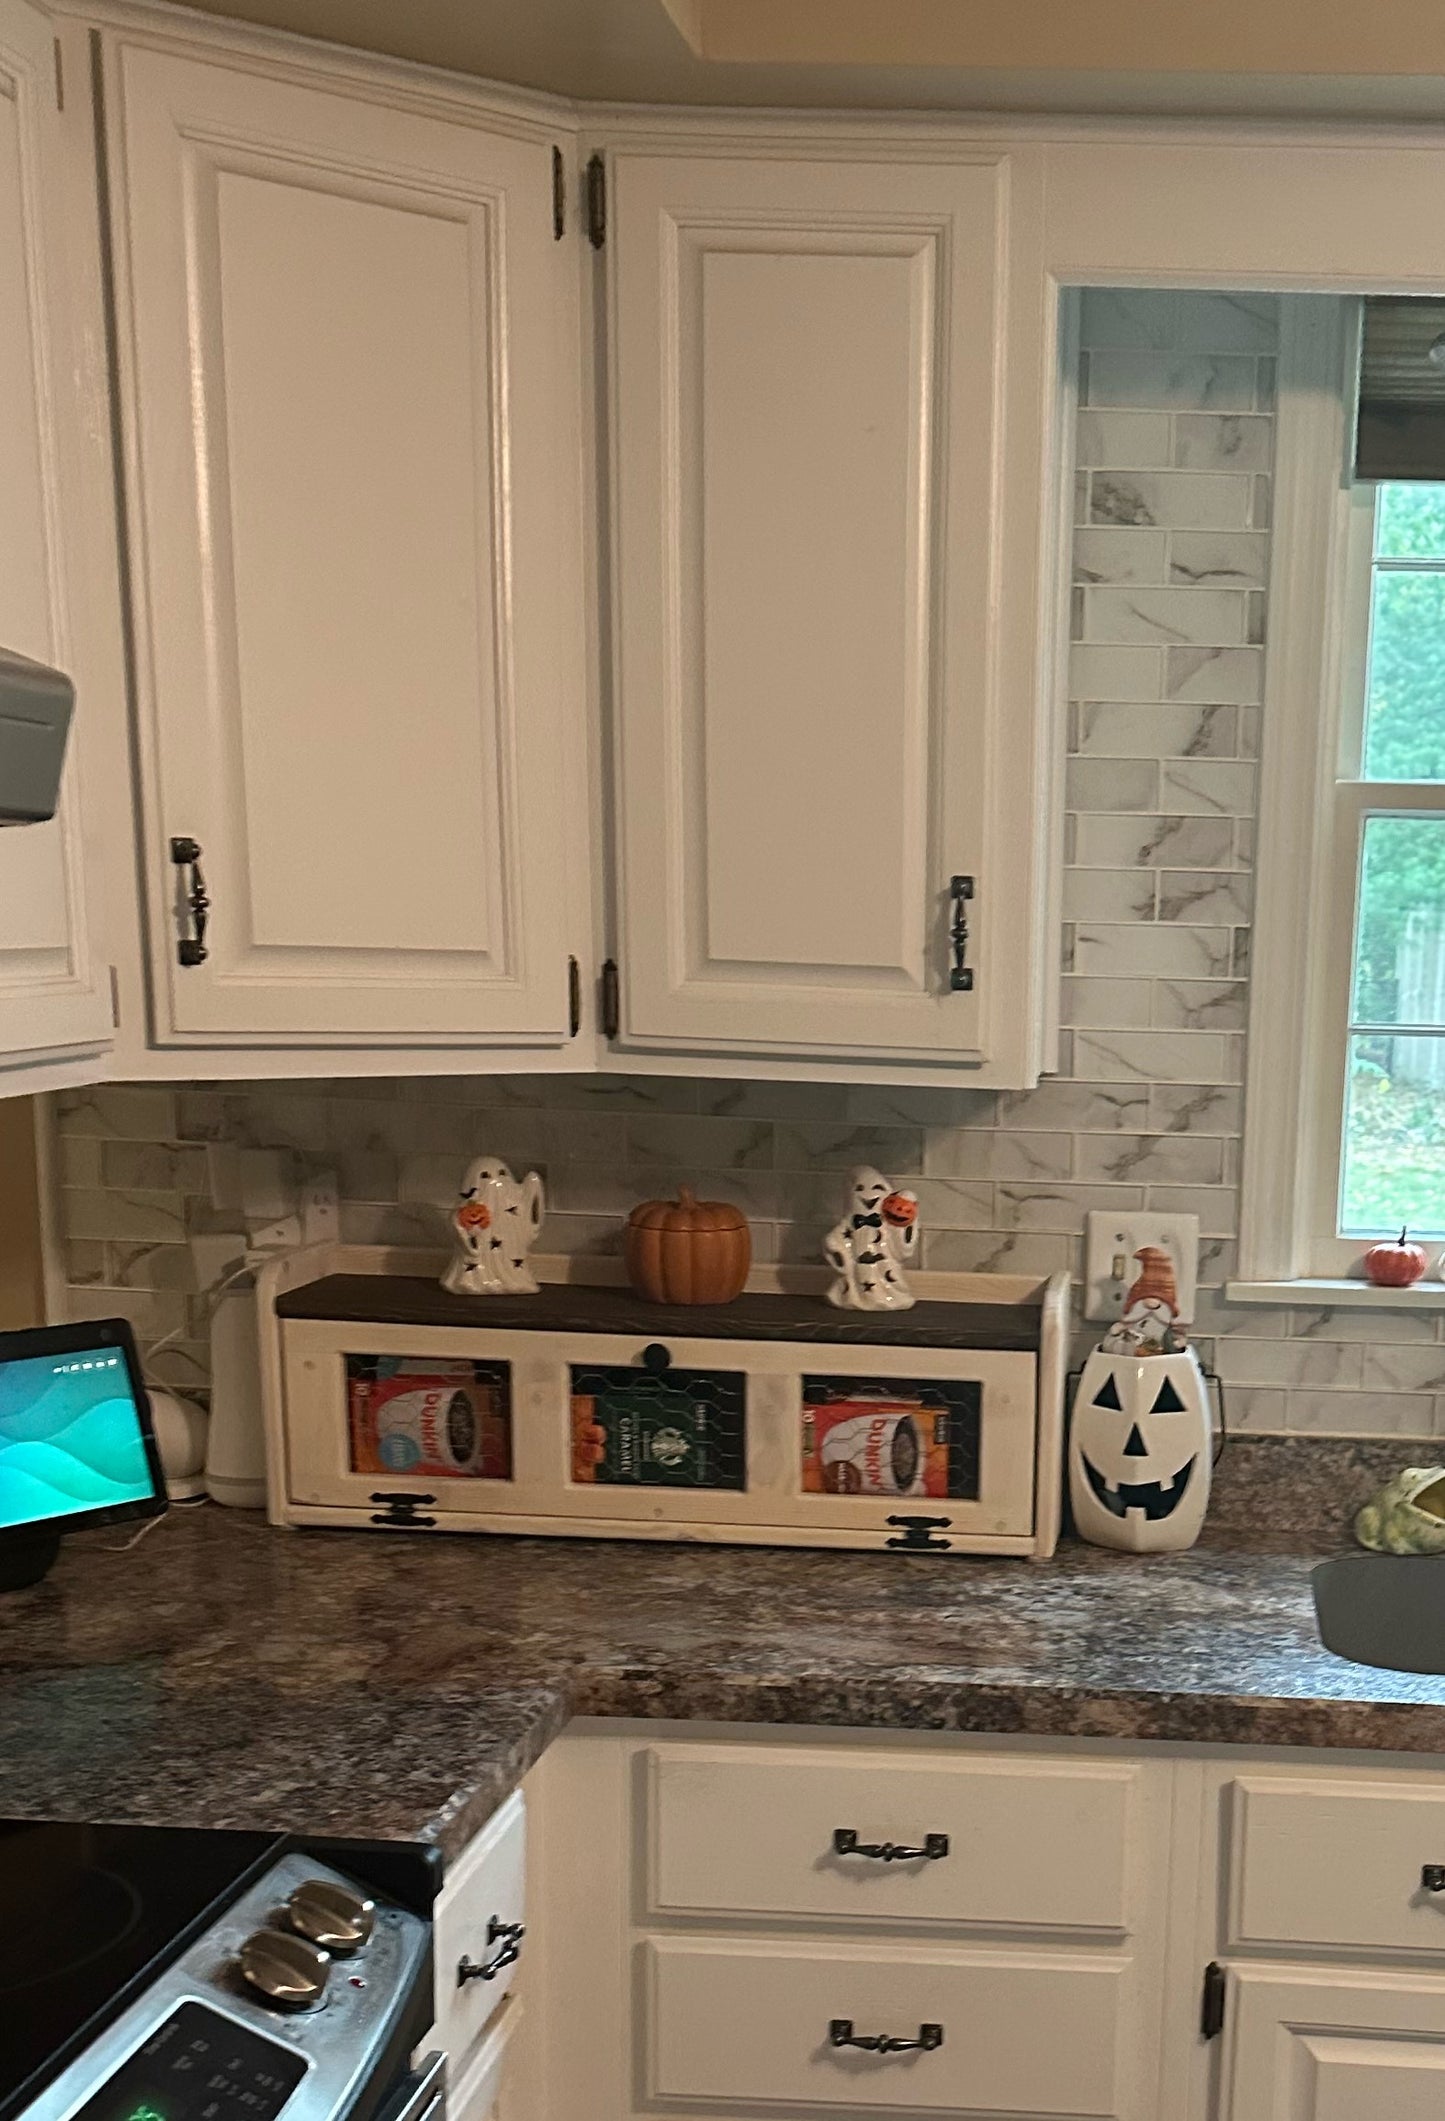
(1342, 58)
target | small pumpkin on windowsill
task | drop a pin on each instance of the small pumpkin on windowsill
(688, 1251)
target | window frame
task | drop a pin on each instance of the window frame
(1311, 817)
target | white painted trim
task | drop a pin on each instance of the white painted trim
(1321, 1294)
(1064, 307)
(54, 1277)
(1297, 768)
(290, 54)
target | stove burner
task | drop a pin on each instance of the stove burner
(89, 1913)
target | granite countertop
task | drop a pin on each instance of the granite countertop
(226, 1673)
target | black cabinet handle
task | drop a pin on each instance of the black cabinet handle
(194, 908)
(841, 2034)
(960, 975)
(846, 1843)
(1432, 1878)
(507, 1937)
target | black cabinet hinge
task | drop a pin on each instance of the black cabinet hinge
(597, 202)
(611, 1009)
(574, 997)
(402, 1511)
(559, 194)
(1211, 2003)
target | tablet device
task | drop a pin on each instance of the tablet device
(76, 1443)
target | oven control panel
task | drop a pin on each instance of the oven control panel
(288, 2005)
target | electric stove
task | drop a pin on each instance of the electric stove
(152, 1974)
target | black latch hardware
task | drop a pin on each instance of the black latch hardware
(960, 975)
(1432, 1878)
(403, 1511)
(918, 1534)
(1211, 2004)
(597, 202)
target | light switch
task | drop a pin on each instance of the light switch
(1110, 1267)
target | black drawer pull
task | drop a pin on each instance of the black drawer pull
(846, 1843)
(841, 2034)
(507, 1937)
(1432, 1878)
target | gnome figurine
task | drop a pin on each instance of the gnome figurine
(871, 1244)
(494, 1226)
(1149, 1321)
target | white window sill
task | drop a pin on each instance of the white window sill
(1427, 1295)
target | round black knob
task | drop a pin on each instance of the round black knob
(656, 1359)
(284, 1970)
(331, 1915)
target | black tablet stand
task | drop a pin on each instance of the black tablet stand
(27, 1552)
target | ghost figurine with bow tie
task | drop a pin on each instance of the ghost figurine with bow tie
(494, 1226)
(870, 1245)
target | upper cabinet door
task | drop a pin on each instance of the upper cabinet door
(348, 344)
(826, 681)
(54, 997)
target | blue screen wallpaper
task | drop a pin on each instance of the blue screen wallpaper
(70, 1436)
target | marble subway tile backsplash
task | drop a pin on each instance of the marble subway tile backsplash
(1172, 553)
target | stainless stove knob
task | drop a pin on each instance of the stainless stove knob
(331, 1915)
(286, 1971)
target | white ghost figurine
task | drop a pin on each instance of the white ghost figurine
(494, 1226)
(871, 1244)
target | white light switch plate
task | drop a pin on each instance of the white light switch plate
(1113, 1237)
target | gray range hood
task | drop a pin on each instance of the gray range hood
(36, 704)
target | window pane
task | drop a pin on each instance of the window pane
(1410, 521)
(1405, 689)
(1400, 945)
(1394, 1176)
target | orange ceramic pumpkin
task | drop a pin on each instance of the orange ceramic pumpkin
(688, 1251)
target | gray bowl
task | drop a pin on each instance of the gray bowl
(1386, 1610)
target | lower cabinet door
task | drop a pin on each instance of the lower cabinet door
(744, 2024)
(1313, 2044)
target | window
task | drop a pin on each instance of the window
(1344, 1131)
(1390, 855)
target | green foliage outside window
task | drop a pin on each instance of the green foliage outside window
(1395, 1132)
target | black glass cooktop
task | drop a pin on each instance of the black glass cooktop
(87, 1915)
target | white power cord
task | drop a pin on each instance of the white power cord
(248, 1265)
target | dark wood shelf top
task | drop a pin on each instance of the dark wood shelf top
(580, 1307)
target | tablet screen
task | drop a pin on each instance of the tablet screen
(75, 1437)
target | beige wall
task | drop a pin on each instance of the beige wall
(22, 1287)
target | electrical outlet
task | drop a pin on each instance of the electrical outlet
(320, 1209)
(1110, 1267)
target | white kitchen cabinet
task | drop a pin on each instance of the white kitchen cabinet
(481, 1932)
(1324, 2044)
(826, 398)
(54, 994)
(349, 365)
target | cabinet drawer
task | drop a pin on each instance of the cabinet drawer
(485, 1891)
(1029, 1844)
(472, 2092)
(748, 2024)
(1336, 1864)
